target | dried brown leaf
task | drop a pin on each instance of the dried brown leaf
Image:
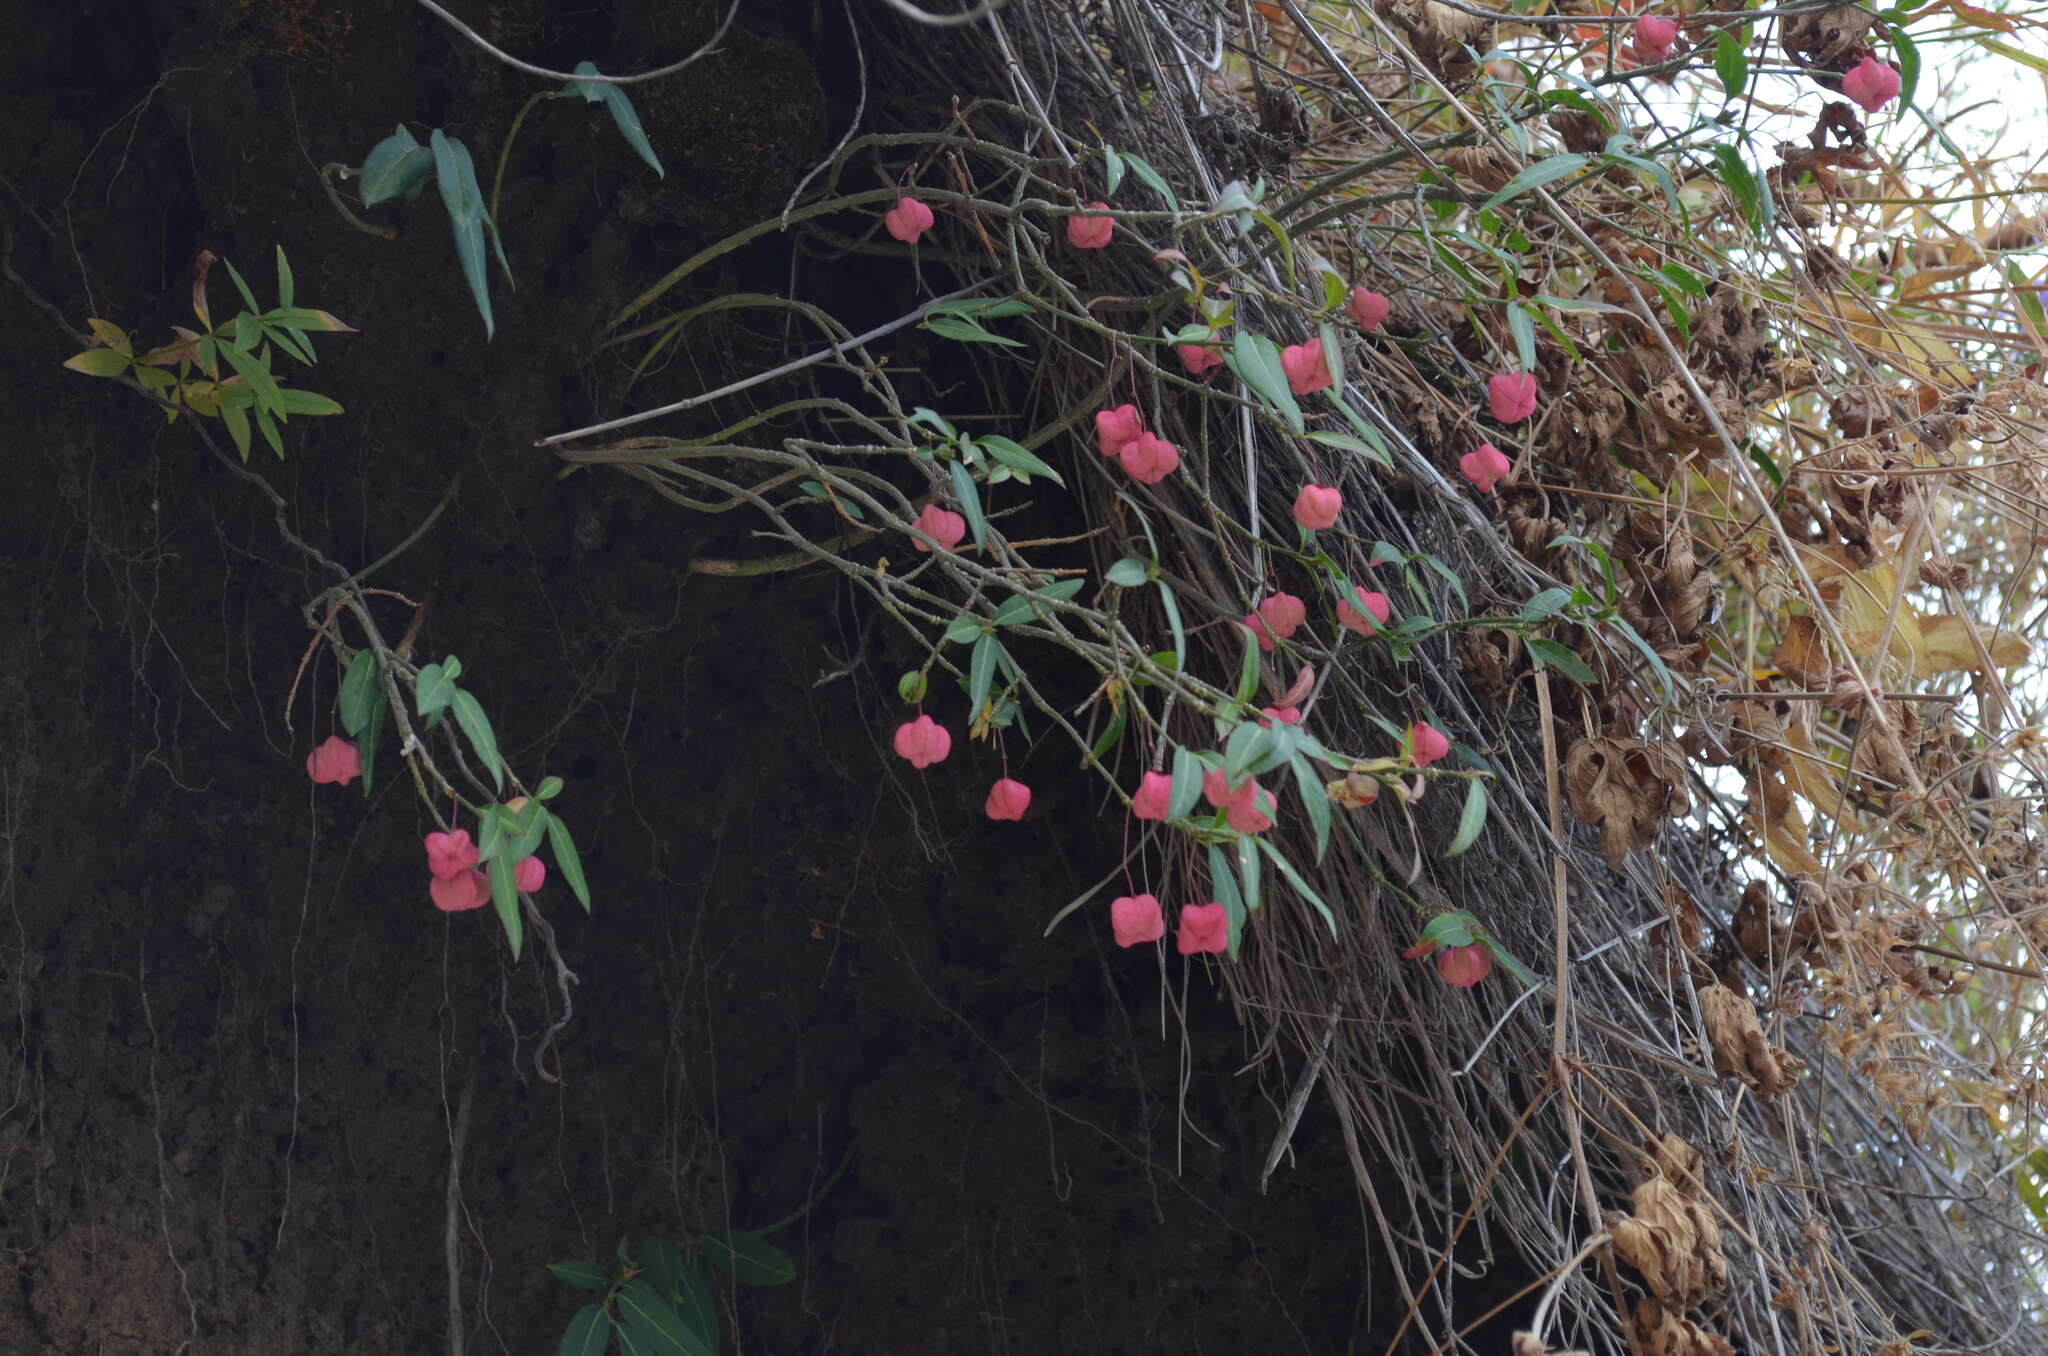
(1740, 1050)
(1626, 788)
(1660, 1332)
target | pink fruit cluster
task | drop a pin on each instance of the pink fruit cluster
(907, 220)
(1146, 457)
(1511, 396)
(1136, 919)
(1654, 35)
(335, 760)
(1484, 466)
(924, 742)
(1307, 367)
(1091, 232)
(458, 884)
(1871, 84)
(939, 525)
(1278, 616)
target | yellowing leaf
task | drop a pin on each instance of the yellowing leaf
(1866, 601)
(1785, 839)
(1808, 772)
(1927, 279)
(1908, 345)
(1949, 649)
(110, 334)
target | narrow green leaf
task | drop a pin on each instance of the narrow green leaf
(1248, 870)
(964, 331)
(1655, 171)
(248, 297)
(98, 362)
(1247, 743)
(455, 173)
(1372, 449)
(1248, 668)
(549, 788)
(307, 318)
(1150, 178)
(566, 861)
(1187, 784)
(1656, 661)
(583, 1275)
(981, 671)
(268, 428)
(291, 400)
(1333, 353)
(1523, 327)
(1171, 606)
(662, 1263)
(1561, 657)
(1112, 171)
(1741, 184)
(505, 898)
(970, 501)
(253, 372)
(1472, 820)
(1019, 458)
(237, 421)
(1112, 734)
(1256, 361)
(529, 822)
(1545, 171)
(1909, 65)
(1731, 59)
(362, 689)
(469, 714)
(650, 1326)
(588, 1334)
(1280, 237)
(1508, 963)
(1300, 886)
(1545, 604)
(1223, 881)
(748, 1258)
(366, 746)
(621, 108)
(696, 1308)
(1315, 798)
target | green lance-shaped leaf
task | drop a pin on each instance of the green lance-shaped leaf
(748, 1258)
(469, 714)
(588, 1334)
(583, 1275)
(505, 898)
(396, 167)
(455, 173)
(567, 861)
(621, 108)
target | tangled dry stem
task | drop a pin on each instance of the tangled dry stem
(1796, 1136)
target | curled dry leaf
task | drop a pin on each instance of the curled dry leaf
(1740, 1049)
(1481, 166)
(1826, 38)
(1626, 788)
(1673, 1241)
(1441, 34)
(1660, 1332)
(1677, 1162)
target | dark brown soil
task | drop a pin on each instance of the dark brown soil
(234, 1029)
